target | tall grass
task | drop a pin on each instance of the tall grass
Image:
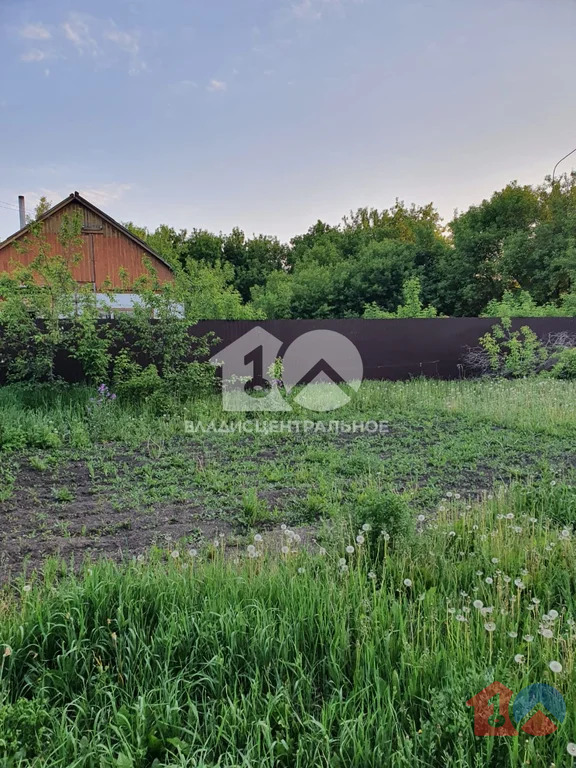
(347, 659)
(52, 416)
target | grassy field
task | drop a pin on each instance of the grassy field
(293, 599)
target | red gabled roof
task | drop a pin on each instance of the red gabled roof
(75, 196)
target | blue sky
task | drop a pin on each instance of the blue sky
(270, 114)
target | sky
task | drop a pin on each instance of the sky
(271, 114)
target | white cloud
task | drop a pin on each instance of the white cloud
(129, 42)
(33, 56)
(306, 9)
(35, 32)
(101, 195)
(105, 193)
(216, 86)
(104, 41)
(77, 31)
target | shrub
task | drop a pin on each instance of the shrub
(565, 368)
(384, 518)
(412, 306)
(133, 382)
(521, 304)
(520, 353)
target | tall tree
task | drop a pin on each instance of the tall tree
(471, 273)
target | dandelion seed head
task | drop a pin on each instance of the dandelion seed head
(555, 666)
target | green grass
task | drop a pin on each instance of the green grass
(292, 660)
(243, 654)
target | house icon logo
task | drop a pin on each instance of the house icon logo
(492, 720)
(321, 370)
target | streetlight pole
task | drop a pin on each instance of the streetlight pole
(560, 161)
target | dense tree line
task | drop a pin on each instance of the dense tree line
(519, 243)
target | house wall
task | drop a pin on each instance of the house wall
(105, 251)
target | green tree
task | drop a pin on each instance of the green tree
(471, 273)
(542, 258)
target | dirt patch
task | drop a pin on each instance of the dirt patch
(41, 521)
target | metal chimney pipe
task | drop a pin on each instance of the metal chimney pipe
(22, 208)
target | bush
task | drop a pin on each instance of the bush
(565, 368)
(385, 518)
(517, 354)
(412, 306)
(133, 382)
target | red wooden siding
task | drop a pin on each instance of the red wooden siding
(106, 250)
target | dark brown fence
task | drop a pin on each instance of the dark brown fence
(390, 349)
(393, 349)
